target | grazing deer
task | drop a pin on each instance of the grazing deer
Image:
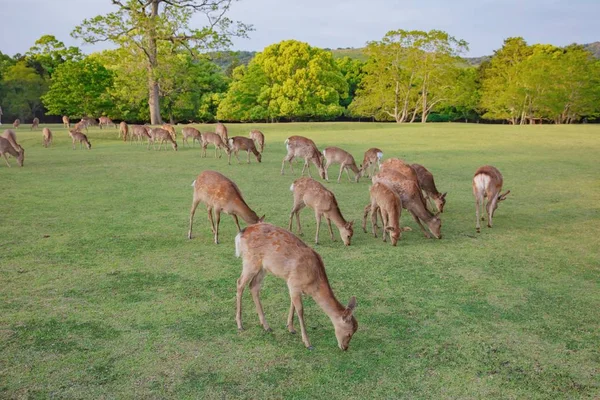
(163, 136)
(400, 166)
(335, 155)
(258, 138)
(123, 130)
(105, 121)
(301, 147)
(193, 133)
(220, 194)
(85, 123)
(8, 144)
(77, 136)
(66, 122)
(171, 129)
(47, 133)
(16, 123)
(372, 158)
(412, 200)
(388, 203)
(140, 132)
(238, 143)
(267, 248)
(308, 192)
(214, 139)
(428, 186)
(221, 130)
(487, 182)
(35, 123)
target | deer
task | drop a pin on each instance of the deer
(220, 194)
(123, 130)
(163, 136)
(301, 147)
(487, 182)
(66, 122)
(308, 192)
(221, 130)
(35, 123)
(267, 248)
(105, 121)
(80, 137)
(47, 133)
(171, 129)
(16, 123)
(238, 143)
(190, 132)
(214, 139)
(335, 155)
(401, 166)
(412, 200)
(140, 132)
(428, 186)
(258, 138)
(85, 123)
(372, 158)
(8, 144)
(388, 203)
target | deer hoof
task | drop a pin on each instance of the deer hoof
(310, 348)
(268, 330)
(478, 230)
(489, 226)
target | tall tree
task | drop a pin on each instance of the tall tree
(22, 88)
(148, 24)
(48, 53)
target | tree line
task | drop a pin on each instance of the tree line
(162, 69)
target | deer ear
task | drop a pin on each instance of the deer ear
(261, 219)
(437, 215)
(444, 195)
(347, 315)
(503, 196)
(389, 228)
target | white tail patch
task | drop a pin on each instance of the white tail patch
(292, 188)
(324, 153)
(230, 142)
(482, 181)
(287, 144)
(379, 155)
(238, 245)
(194, 183)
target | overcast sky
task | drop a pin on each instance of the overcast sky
(484, 24)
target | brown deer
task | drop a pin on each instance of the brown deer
(171, 129)
(66, 122)
(141, 133)
(193, 133)
(412, 200)
(78, 136)
(105, 121)
(123, 130)
(214, 139)
(238, 143)
(258, 138)
(16, 123)
(163, 136)
(220, 194)
(47, 133)
(487, 182)
(9, 145)
(301, 147)
(402, 167)
(85, 123)
(35, 123)
(267, 248)
(308, 192)
(372, 159)
(428, 186)
(335, 155)
(221, 130)
(388, 203)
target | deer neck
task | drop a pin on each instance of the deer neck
(241, 209)
(336, 216)
(422, 212)
(326, 300)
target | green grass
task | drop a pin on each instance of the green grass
(103, 296)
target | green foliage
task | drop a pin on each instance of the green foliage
(288, 80)
(22, 88)
(79, 88)
(48, 53)
(352, 70)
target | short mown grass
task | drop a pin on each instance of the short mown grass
(103, 296)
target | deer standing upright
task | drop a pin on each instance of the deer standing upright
(190, 132)
(372, 158)
(258, 138)
(238, 143)
(428, 186)
(123, 130)
(214, 139)
(335, 155)
(299, 146)
(105, 121)
(487, 182)
(221, 130)
(388, 203)
(308, 192)
(47, 134)
(220, 194)
(16, 123)
(77, 136)
(267, 248)
(66, 122)
(35, 123)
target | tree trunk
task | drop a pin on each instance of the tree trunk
(153, 93)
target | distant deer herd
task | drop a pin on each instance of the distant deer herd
(265, 248)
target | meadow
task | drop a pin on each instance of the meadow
(103, 296)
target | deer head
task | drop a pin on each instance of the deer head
(346, 325)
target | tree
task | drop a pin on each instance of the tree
(79, 88)
(352, 70)
(149, 24)
(289, 80)
(22, 88)
(48, 53)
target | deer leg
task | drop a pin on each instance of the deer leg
(228, 157)
(216, 152)
(290, 320)
(477, 224)
(384, 224)
(296, 210)
(373, 209)
(418, 221)
(330, 230)
(340, 174)
(248, 152)
(348, 174)
(237, 223)
(366, 212)
(318, 217)
(217, 220)
(297, 300)
(490, 210)
(236, 156)
(247, 274)
(6, 159)
(255, 284)
(326, 167)
(209, 210)
(192, 212)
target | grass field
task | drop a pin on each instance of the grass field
(103, 296)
